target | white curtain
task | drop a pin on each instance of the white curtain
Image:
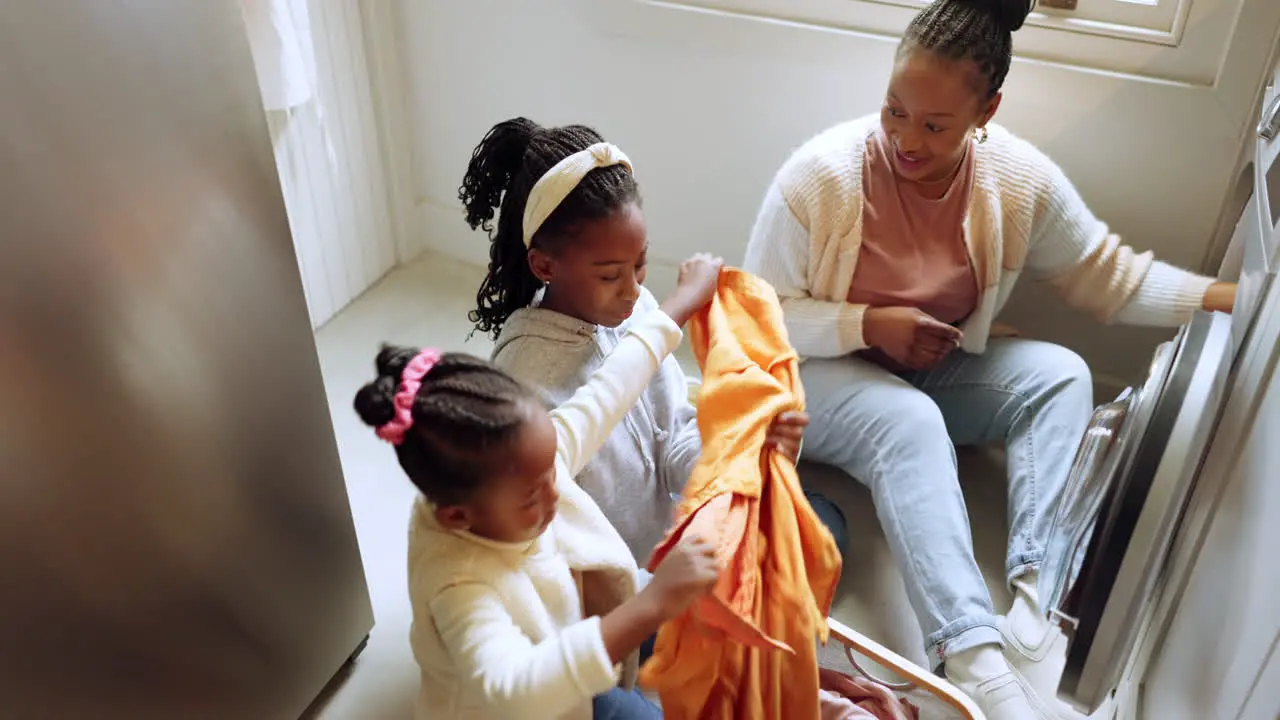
(283, 54)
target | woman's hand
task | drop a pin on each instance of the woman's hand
(699, 276)
(787, 432)
(909, 336)
(1220, 297)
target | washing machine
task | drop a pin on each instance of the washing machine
(1139, 499)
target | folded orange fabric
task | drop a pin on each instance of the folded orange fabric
(748, 650)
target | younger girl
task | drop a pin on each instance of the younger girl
(567, 263)
(507, 555)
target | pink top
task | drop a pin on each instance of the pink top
(913, 250)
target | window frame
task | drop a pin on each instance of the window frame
(1152, 21)
(1189, 52)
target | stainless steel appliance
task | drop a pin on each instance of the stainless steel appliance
(1157, 605)
(175, 533)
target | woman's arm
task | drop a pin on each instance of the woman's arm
(1096, 272)
(778, 252)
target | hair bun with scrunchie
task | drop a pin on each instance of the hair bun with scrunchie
(375, 402)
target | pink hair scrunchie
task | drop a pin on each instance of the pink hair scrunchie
(393, 430)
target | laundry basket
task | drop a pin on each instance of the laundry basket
(915, 676)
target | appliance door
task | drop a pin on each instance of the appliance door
(1136, 482)
(1215, 645)
(174, 526)
(1258, 232)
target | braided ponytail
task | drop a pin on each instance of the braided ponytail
(465, 410)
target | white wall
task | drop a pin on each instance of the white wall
(332, 169)
(709, 104)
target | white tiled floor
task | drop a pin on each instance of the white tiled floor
(426, 303)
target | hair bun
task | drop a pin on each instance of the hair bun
(375, 402)
(1008, 14)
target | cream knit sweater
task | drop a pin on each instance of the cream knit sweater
(504, 630)
(1023, 213)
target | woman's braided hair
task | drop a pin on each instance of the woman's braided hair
(976, 30)
(465, 412)
(503, 170)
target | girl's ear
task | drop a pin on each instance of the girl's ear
(541, 264)
(454, 517)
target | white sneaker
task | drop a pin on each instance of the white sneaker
(984, 675)
(1036, 649)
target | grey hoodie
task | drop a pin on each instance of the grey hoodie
(650, 454)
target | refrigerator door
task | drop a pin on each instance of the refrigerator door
(174, 526)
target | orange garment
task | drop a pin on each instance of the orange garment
(748, 650)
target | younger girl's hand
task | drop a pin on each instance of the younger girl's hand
(699, 276)
(786, 432)
(688, 572)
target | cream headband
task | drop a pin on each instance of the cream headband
(556, 184)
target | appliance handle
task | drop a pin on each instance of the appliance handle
(1269, 125)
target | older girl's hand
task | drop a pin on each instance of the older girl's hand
(699, 277)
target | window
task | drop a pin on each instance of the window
(1149, 20)
(1175, 40)
(1156, 17)
(1158, 21)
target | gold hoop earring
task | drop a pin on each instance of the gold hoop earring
(980, 135)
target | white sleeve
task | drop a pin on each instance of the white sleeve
(778, 252)
(584, 421)
(1095, 271)
(510, 675)
(1168, 296)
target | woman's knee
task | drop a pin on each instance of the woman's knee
(914, 420)
(1053, 367)
(1067, 365)
(866, 429)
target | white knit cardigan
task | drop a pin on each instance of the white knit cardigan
(503, 630)
(1023, 212)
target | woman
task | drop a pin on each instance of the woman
(894, 241)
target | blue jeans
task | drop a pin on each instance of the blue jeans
(897, 435)
(619, 704)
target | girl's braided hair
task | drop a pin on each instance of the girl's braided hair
(465, 412)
